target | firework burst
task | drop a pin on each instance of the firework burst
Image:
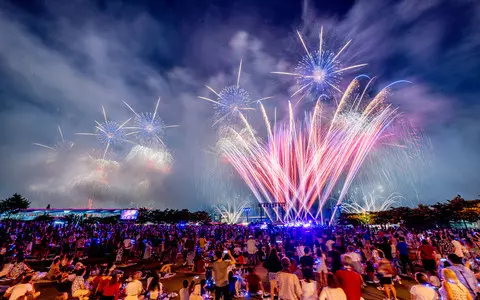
(149, 127)
(370, 202)
(319, 71)
(231, 101)
(232, 211)
(301, 163)
(62, 146)
(110, 133)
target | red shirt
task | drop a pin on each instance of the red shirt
(111, 290)
(351, 283)
(253, 281)
(426, 251)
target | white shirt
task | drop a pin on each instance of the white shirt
(19, 290)
(309, 290)
(422, 292)
(184, 294)
(329, 245)
(288, 286)
(332, 294)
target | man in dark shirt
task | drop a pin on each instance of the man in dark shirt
(306, 261)
(402, 250)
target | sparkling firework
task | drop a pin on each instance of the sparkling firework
(149, 127)
(61, 146)
(110, 133)
(231, 101)
(150, 158)
(320, 71)
(301, 164)
(232, 211)
(371, 202)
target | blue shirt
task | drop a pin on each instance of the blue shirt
(402, 248)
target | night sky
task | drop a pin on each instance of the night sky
(60, 61)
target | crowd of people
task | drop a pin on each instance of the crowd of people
(129, 261)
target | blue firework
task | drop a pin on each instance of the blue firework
(319, 72)
(150, 129)
(110, 133)
(231, 101)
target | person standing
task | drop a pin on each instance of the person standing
(306, 261)
(403, 255)
(427, 254)
(253, 282)
(220, 275)
(356, 260)
(350, 281)
(252, 250)
(332, 291)
(288, 284)
(309, 285)
(273, 266)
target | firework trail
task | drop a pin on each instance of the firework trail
(319, 71)
(110, 133)
(398, 162)
(301, 163)
(61, 147)
(149, 127)
(370, 202)
(231, 101)
(232, 211)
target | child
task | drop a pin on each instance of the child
(184, 292)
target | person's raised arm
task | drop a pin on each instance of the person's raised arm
(232, 259)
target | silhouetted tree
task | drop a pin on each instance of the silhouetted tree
(13, 205)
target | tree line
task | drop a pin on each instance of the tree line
(456, 211)
(17, 203)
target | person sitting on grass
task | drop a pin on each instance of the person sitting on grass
(25, 288)
(79, 289)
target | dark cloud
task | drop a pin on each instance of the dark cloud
(61, 68)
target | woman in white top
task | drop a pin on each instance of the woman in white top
(309, 285)
(424, 290)
(451, 288)
(333, 291)
(321, 267)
